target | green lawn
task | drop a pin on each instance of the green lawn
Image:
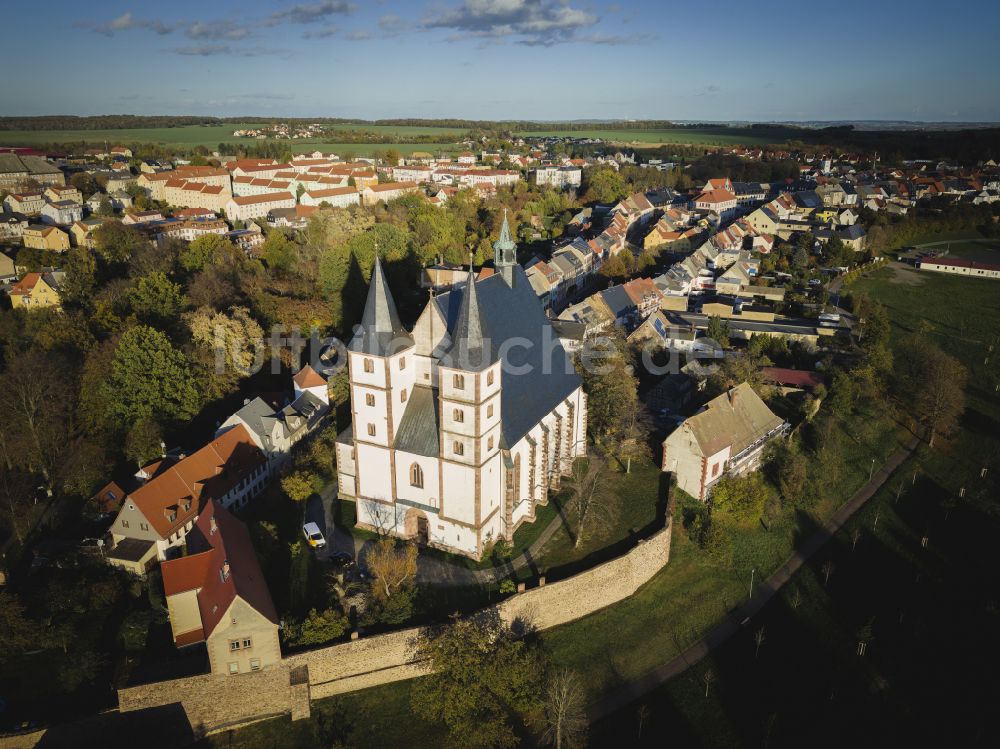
(922, 574)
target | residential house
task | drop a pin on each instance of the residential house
(12, 225)
(276, 430)
(61, 213)
(186, 194)
(81, 232)
(30, 204)
(138, 218)
(55, 193)
(8, 271)
(248, 207)
(337, 197)
(41, 237)
(217, 594)
(388, 191)
(155, 518)
(721, 202)
(727, 437)
(558, 176)
(37, 290)
(17, 169)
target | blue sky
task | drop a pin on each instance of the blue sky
(491, 59)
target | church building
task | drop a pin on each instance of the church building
(460, 427)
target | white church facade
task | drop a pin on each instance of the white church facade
(460, 427)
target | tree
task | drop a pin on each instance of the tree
(318, 628)
(707, 677)
(230, 346)
(614, 267)
(32, 410)
(604, 185)
(393, 567)
(298, 486)
(933, 382)
(279, 253)
(612, 388)
(156, 299)
(741, 498)
(565, 711)
(81, 278)
(758, 639)
(17, 632)
(115, 242)
(827, 569)
(718, 330)
(144, 441)
(208, 249)
(150, 379)
(479, 674)
(591, 501)
(105, 209)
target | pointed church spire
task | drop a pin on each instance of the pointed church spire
(505, 253)
(471, 348)
(380, 332)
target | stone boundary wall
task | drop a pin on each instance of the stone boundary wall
(213, 702)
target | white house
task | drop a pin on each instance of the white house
(727, 436)
(62, 213)
(246, 207)
(338, 197)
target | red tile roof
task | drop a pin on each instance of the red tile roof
(209, 473)
(307, 377)
(265, 198)
(791, 377)
(26, 285)
(221, 565)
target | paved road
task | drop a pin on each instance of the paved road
(764, 592)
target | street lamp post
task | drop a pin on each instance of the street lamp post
(752, 571)
(871, 470)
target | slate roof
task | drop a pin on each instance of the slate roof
(471, 347)
(513, 311)
(380, 333)
(418, 429)
(618, 301)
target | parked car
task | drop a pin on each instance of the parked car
(314, 536)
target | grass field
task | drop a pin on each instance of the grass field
(919, 587)
(709, 136)
(211, 136)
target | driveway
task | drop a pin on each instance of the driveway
(319, 510)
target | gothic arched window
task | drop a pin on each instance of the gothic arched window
(417, 476)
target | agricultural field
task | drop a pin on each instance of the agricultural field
(211, 136)
(708, 136)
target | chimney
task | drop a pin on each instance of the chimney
(212, 527)
(731, 393)
(225, 570)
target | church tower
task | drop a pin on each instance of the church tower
(505, 253)
(382, 374)
(469, 391)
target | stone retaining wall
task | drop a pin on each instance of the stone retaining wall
(212, 702)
